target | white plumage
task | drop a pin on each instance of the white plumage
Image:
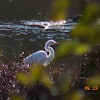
(41, 57)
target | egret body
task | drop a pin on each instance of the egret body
(41, 57)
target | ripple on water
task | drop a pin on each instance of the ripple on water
(36, 27)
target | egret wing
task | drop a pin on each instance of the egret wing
(38, 57)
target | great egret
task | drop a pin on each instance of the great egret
(41, 57)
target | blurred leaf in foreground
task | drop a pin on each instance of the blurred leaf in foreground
(76, 95)
(87, 29)
(94, 80)
(82, 49)
(84, 31)
(0, 52)
(65, 48)
(59, 10)
(46, 81)
(36, 74)
(90, 14)
(16, 97)
(32, 78)
(71, 46)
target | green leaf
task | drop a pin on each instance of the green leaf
(94, 81)
(0, 52)
(32, 78)
(90, 14)
(17, 97)
(59, 9)
(65, 48)
(84, 31)
(82, 49)
(77, 95)
(46, 80)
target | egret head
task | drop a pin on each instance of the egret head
(51, 42)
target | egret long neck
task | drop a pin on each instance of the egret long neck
(51, 52)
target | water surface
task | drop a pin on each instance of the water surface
(29, 36)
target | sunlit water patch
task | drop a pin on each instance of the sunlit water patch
(41, 28)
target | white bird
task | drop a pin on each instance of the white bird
(41, 57)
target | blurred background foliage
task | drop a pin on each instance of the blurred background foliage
(85, 43)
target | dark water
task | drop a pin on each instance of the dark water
(29, 36)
